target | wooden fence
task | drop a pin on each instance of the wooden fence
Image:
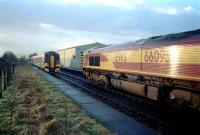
(7, 70)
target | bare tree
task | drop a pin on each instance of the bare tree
(31, 55)
(10, 57)
(22, 60)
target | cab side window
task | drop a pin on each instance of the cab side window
(91, 61)
(97, 60)
(94, 61)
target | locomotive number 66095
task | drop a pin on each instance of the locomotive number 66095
(156, 56)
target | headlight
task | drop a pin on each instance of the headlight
(46, 65)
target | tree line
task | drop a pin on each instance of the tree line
(11, 57)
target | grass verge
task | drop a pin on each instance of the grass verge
(31, 105)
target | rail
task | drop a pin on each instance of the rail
(124, 102)
(157, 115)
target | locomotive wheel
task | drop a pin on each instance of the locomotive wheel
(104, 81)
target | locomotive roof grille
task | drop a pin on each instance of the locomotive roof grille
(162, 40)
(169, 37)
(173, 37)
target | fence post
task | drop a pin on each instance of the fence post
(5, 79)
(8, 75)
(13, 69)
(11, 72)
(1, 83)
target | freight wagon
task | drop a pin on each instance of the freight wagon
(72, 57)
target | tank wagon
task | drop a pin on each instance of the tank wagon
(49, 62)
(72, 57)
(163, 68)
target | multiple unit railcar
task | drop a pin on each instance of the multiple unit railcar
(165, 68)
(49, 62)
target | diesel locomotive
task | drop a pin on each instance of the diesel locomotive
(49, 62)
(164, 68)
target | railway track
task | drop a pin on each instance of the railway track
(141, 109)
(161, 117)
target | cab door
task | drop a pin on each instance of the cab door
(52, 62)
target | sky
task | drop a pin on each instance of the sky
(28, 26)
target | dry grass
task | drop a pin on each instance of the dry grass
(32, 106)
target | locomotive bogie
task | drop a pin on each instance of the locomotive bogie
(180, 94)
(186, 96)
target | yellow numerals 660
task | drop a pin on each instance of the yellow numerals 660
(156, 56)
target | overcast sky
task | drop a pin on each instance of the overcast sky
(28, 26)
